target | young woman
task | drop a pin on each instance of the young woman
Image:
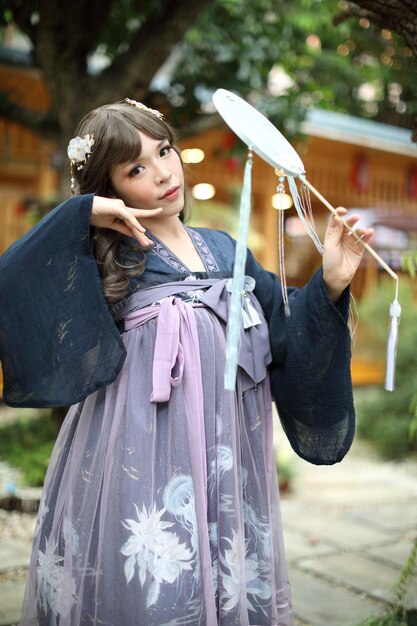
(161, 505)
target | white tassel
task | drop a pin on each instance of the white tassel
(247, 322)
(304, 213)
(395, 313)
(281, 256)
(253, 313)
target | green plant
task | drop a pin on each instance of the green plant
(409, 263)
(398, 615)
(385, 620)
(384, 418)
(403, 587)
(27, 445)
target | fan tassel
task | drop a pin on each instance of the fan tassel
(395, 313)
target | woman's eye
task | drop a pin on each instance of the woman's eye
(138, 169)
(166, 150)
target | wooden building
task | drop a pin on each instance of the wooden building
(27, 173)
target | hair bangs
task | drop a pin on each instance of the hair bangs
(126, 141)
(123, 142)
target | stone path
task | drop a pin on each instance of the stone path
(16, 531)
(348, 530)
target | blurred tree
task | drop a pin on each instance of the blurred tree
(134, 38)
(399, 16)
(284, 56)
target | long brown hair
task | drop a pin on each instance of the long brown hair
(116, 140)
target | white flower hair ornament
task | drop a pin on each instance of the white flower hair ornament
(78, 151)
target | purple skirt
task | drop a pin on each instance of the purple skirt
(161, 506)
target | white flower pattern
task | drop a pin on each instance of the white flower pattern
(232, 582)
(56, 585)
(156, 551)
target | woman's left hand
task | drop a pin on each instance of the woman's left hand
(342, 253)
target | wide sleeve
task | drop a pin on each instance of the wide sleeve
(310, 372)
(58, 341)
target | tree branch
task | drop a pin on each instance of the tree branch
(133, 70)
(73, 26)
(354, 11)
(397, 15)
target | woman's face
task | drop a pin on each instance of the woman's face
(155, 179)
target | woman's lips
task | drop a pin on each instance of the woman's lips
(171, 194)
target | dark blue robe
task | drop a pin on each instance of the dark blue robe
(59, 343)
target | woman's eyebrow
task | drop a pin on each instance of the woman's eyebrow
(158, 146)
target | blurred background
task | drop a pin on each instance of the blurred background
(337, 78)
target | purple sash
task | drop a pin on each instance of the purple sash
(177, 336)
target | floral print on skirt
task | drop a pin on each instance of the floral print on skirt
(161, 506)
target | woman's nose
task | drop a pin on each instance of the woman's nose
(162, 173)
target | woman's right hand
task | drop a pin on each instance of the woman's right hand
(114, 214)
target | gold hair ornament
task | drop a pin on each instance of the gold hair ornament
(143, 107)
